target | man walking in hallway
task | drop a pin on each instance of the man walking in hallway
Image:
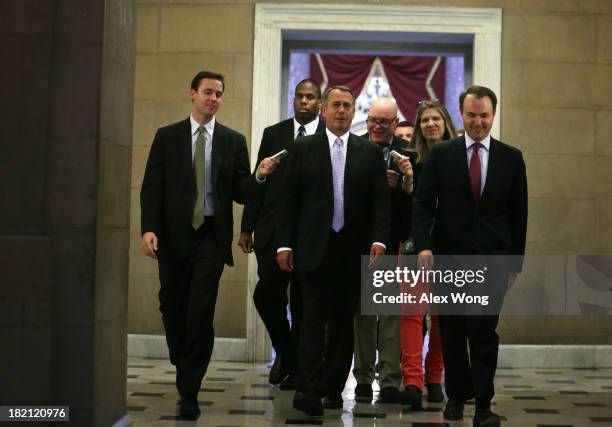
(381, 332)
(336, 209)
(196, 169)
(472, 200)
(262, 217)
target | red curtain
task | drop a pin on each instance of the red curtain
(407, 76)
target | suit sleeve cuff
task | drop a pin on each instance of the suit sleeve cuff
(284, 248)
(380, 244)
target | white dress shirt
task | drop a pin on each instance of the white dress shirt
(310, 128)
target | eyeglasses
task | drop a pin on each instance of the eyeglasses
(381, 122)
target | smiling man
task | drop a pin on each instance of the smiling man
(472, 200)
(336, 209)
(381, 332)
(261, 216)
(196, 169)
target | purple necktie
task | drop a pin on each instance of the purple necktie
(338, 161)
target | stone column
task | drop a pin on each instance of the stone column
(65, 156)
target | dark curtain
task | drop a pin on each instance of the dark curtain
(407, 76)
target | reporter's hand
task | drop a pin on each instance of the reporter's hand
(284, 259)
(425, 259)
(267, 166)
(392, 178)
(376, 254)
(405, 166)
(149, 244)
(245, 241)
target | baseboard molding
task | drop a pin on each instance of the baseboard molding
(555, 356)
(125, 421)
(154, 347)
(510, 355)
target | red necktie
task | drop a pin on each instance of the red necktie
(475, 171)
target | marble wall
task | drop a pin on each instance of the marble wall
(555, 98)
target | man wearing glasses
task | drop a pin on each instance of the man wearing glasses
(384, 329)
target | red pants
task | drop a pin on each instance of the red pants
(411, 339)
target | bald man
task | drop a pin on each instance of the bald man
(382, 332)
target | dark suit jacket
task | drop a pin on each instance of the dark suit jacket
(262, 214)
(306, 218)
(169, 189)
(497, 225)
(401, 203)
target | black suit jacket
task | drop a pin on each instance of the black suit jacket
(306, 218)
(401, 203)
(169, 190)
(497, 225)
(262, 214)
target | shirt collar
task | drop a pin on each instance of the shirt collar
(210, 126)
(486, 143)
(311, 127)
(332, 138)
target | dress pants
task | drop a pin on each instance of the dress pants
(270, 298)
(472, 375)
(411, 337)
(367, 329)
(187, 299)
(330, 295)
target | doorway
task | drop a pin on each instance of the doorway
(474, 34)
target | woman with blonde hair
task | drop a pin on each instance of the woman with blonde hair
(432, 124)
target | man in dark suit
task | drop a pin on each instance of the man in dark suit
(336, 209)
(381, 332)
(473, 192)
(196, 168)
(262, 216)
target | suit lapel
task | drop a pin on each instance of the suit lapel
(219, 150)
(490, 169)
(286, 135)
(352, 161)
(461, 157)
(322, 152)
(185, 150)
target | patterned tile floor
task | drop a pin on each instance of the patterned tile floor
(237, 394)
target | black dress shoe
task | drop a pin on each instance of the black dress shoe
(388, 395)
(289, 383)
(434, 393)
(188, 408)
(363, 393)
(333, 401)
(486, 418)
(277, 371)
(310, 405)
(412, 396)
(453, 410)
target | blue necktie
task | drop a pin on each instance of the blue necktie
(338, 161)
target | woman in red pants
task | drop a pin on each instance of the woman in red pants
(432, 124)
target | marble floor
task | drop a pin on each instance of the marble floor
(237, 394)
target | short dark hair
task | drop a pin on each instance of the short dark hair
(405, 124)
(195, 83)
(339, 88)
(479, 92)
(313, 83)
